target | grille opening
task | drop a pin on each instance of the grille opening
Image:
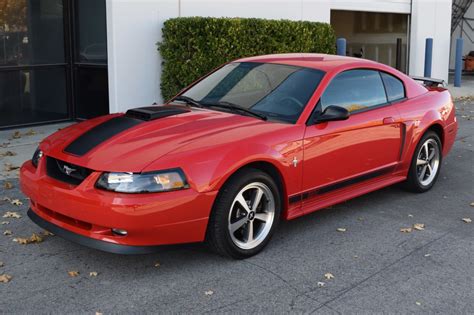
(66, 172)
(68, 220)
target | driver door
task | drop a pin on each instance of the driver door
(367, 144)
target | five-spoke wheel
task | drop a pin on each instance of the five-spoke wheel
(245, 214)
(251, 215)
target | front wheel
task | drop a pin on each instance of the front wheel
(245, 215)
(426, 164)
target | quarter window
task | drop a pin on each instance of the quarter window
(355, 90)
(393, 86)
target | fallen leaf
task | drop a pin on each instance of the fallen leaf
(328, 276)
(6, 199)
(30, 132)
(406, 230)
(1, 264)
(467, 220)
(96, 313)
(4, 278)
(8, 153)
(321, 284)
(209, 293)
(7, 185)
(16, 202)
(341, 229)
(410, 215)
(418, 303)
(355, 256)
(10, 167)
(93, 274)
(12, 214)
(73, 273)
(427, 255)
(20, 240)
(34, 238)
(16, 135)
(419, 226)
(4, 222)
(157, 264)
(7, 232)
(472, 204)
(360, 219)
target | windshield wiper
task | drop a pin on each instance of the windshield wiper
(188, 100)
(235, 107)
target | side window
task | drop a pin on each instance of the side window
(393, 86)
(355, 90)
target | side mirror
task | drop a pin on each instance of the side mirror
(332, 113)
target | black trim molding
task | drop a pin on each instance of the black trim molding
(339, 185)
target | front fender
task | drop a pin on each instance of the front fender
(208, 165)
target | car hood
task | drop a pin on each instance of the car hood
(132, 149)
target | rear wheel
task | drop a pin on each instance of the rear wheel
(426, 164)
(245, 215)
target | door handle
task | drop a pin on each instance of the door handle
(388, 120)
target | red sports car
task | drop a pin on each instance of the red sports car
(256, 141)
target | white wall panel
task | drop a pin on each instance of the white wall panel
(391, 6)
(133, 28)
(430, 18)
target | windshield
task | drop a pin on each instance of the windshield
(279, 92)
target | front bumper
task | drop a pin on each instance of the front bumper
(90, 242)
(87, 215)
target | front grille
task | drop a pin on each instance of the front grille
(66, 172)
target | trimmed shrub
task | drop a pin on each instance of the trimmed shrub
(193, 46)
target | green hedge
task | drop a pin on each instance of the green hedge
(193, 46)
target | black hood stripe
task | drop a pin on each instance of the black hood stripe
(100, 133)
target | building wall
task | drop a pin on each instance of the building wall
(430, 18)
(134, 27)
(468, 42)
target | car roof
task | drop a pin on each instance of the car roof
(317, 61)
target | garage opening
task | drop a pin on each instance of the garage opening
(382, 37)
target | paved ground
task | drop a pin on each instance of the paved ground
(376, 268)
(467, 86)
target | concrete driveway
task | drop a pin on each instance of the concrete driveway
(376, 267)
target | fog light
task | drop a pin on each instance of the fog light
(120, 232)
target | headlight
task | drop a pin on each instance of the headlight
(168, 180)
(36, 157)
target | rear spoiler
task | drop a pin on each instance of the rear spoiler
(429, 82)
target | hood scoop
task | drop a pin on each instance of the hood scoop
(155, 112)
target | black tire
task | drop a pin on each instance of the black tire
(413, 182)
(218, 235)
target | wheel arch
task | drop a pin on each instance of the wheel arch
(438, 129)
(269, 168)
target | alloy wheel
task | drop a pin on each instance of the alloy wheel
(427, 163)
(251, 215)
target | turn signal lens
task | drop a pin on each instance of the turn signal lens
(169, 180)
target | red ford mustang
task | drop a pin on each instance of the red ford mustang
(258, 140)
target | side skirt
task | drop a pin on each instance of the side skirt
(318, 202)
